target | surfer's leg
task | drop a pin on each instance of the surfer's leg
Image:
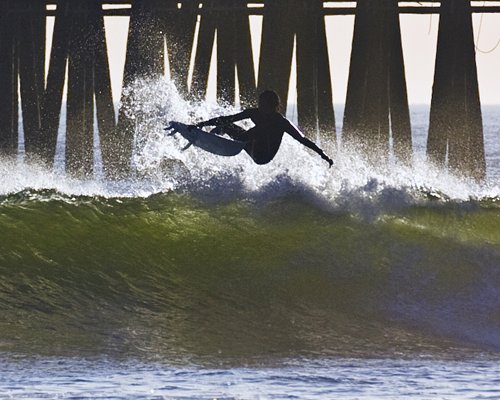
(259, 157)
(232, 130)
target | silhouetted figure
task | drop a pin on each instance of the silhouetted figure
(264, 139)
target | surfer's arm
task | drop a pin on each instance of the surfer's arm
(226, 119)
(299, 136)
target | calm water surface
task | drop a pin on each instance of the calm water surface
(299, 379)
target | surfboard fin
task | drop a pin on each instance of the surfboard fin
(187, 146)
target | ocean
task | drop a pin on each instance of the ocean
(204, 277)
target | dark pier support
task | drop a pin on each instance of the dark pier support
(80, 102)
(228, 21)
(314, 85)
(31, 42)
(22, 59)
(276, 49)
(179, 24)
(286, 22)
(53, 96)
(79, 45)
(109, 137)
(455, 128)
(145, 58)
(8, 82)
(204, 47)
(146, 42)
(377, 103)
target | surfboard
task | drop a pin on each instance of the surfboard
(207, 141)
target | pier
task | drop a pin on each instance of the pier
(376, 120)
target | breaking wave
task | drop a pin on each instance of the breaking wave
(199, 255)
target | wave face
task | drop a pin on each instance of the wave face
(173, 275)
(202, 256)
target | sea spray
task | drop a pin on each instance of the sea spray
(162, 166)
(158, 102)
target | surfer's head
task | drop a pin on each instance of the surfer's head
(269, 101)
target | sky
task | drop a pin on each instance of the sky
(419, 37)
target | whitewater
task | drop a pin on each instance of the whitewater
(209, 277)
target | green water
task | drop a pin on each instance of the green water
(173, 275)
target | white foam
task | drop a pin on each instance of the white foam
(162, 166)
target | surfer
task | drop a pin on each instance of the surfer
(264, 139)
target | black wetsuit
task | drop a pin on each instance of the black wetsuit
(264, 139)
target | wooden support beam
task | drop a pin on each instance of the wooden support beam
(109, 141)
(244, 60)
(79, 47)
(366, 117)
(455, 127)
(53, 96)
(226, 50)
(314, 86)
(31, 50)
(144, 59)
(8, 83)
(376, 88)
(204, 48)
(80, 103)
(122, 7)
(145, 45)
(324, 99)
(179, 26)
(307, 64)
(399, 110)
(276, 49)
